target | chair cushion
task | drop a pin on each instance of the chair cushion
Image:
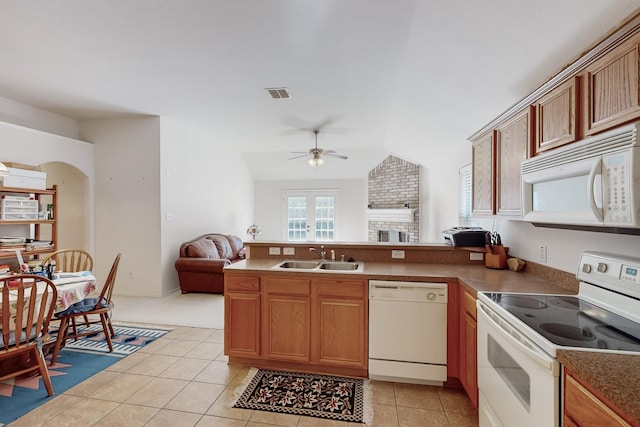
(83, 306)
(12, 337)
(203, 248)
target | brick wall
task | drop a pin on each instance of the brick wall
(393, 183)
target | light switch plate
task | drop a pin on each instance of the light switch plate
(274, 250)
(288, 251)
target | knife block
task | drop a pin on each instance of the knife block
(496, 257)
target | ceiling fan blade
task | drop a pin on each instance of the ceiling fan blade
(337, 156)
(298, 157)
(326, 151)
(299, 152)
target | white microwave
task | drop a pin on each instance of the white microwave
(594, 182)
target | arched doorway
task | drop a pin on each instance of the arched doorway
(73, 204)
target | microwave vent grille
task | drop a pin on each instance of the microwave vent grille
(608, 142)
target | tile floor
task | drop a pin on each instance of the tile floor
(183, 379)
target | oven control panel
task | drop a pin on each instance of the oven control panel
(630, 273)
(615, 272)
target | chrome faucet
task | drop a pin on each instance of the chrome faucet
(323, 253)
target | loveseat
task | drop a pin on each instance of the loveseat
(202, 260)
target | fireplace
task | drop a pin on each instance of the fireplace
(393, 236)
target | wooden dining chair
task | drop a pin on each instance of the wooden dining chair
(27, 305)
(100, 306)
(70, 260)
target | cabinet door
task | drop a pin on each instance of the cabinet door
(340, 323)
(513, 142)
(468, 345)
(612, 90)
(584, 409)
(556, 118)
(483, 176)
(242, 324)
(286, 321)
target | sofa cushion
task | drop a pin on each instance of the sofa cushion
(203, 248)
(221, 242)
(236, 245)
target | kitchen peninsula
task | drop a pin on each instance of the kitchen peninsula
(302, 336)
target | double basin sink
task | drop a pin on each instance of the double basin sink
(320, 265)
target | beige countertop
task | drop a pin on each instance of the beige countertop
(476, 277)
(615, 376)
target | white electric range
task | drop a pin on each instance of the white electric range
(519, 335)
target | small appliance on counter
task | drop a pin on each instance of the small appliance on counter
(465, 236)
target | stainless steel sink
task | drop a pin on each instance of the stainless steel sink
(341, 266)
(305, 265)
(320, 265)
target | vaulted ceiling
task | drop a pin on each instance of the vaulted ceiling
(410, 77)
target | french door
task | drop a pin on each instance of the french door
(310, 215)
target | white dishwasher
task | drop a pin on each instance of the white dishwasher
(408, 331)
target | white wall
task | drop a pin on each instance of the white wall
(353, 204)
(206, 188)
(127, 205)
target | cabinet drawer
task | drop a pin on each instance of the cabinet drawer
(287, 285)
(469, 303)
(341, 288)
(242, 283)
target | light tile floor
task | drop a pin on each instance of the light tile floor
(183, 379)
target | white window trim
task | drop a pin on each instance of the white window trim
(311, 194)
(465, 192)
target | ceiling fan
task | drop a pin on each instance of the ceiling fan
(316, 155)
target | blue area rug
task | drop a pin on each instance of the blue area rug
(76, 362)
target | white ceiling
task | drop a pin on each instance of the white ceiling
(408, 77)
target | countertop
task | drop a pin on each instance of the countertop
(475, 277)
(615, 376)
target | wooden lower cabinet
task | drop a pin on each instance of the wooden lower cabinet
(242, 316)
(340, 323)
(286, 319)
(300, 322)
(468, 344)
(583, 408)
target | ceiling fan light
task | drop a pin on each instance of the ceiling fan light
(316, 161)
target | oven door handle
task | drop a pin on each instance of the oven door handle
(533, 353)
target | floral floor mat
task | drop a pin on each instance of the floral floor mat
(322, 396)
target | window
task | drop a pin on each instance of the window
(465, 193)
(310, 215)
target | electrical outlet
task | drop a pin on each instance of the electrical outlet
(288, 251)
(542, 254)
(398, 254)
(274, 250)
(476, 256)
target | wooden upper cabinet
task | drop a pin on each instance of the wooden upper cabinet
(513, 145)
(612, 92)
(556, 116)
(483, 183)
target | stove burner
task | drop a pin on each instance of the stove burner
(522, 302)
(565, 302)
(616, 334)
(568, 332)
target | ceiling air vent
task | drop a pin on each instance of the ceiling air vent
(278, 92)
